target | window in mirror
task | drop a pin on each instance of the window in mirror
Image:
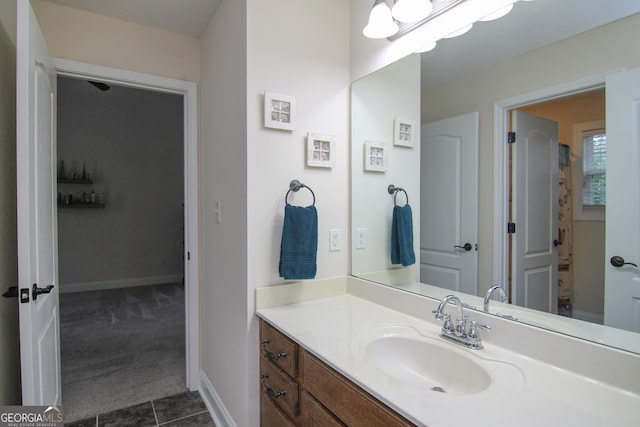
(590, 171)
(594, 149)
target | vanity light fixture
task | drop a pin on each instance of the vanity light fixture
(381, 23)
(411, 10)
(445, 19)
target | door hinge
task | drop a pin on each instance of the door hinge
(511, 227)
(511, 137)
(188, 256)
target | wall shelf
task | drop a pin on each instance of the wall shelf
(82, 205)
(75, 181)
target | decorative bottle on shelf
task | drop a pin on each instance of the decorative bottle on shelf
(93, 196)
(84, 172)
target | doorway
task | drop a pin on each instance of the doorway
(569, 104)
(120, 226)
(186, 91)
(581, 238)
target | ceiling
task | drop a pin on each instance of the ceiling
(530, 25)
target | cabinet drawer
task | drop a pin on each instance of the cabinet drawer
(279, 349)
(349, 403)
(279, 387)
(315, 415)
(271, 415)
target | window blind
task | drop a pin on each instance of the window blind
(594, 151)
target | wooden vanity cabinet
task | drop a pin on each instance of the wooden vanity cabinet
(278, 378)
(300, 390)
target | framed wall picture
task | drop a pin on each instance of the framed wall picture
(320, 150)
(375, 156)
(279, 111)
(404, 132)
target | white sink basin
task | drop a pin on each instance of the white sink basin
(402, 353)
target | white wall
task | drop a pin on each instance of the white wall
(289, 52)
(581, 56)
(226, 343)
(9, 341)
(94, 39)
(131, 141)
(299, 49)
(376, 101)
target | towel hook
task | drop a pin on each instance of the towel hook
(392, 189)
(296, 185)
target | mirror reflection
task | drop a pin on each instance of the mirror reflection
(459, 190)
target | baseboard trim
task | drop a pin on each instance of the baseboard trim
(217, 410)
(117, 284)
(588, 316)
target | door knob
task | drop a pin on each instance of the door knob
(618, 261)
(467, 247)
(35, 291)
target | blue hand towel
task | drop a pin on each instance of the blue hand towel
(402, 236)
(299, 243)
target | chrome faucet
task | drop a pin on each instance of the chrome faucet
(459, 333)
(489, 294)
(444, 302)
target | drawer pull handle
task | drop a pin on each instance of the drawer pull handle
(275, 357)
(269, 390)
(274, 394)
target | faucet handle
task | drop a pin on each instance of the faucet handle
(461, 326)
(483, 326)
(437, 314)
(447, 326)
(473, 331)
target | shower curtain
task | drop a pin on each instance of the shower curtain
(565, 253)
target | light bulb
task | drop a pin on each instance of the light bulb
(411, 10)
(380, 23)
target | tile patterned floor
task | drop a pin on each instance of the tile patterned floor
(181, 410)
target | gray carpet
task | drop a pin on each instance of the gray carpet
(121, 347)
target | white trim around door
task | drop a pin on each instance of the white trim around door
(501, 159)
(189, 92)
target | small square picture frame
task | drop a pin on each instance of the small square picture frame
(279, 111)
(320, 150)
(404, 131)
(375, 156)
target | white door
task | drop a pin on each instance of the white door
(622, 284)
(37, 242)
(449, 203)
(535, 212)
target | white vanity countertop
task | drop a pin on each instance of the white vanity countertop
(525, 392)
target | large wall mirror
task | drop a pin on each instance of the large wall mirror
(548, 60)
